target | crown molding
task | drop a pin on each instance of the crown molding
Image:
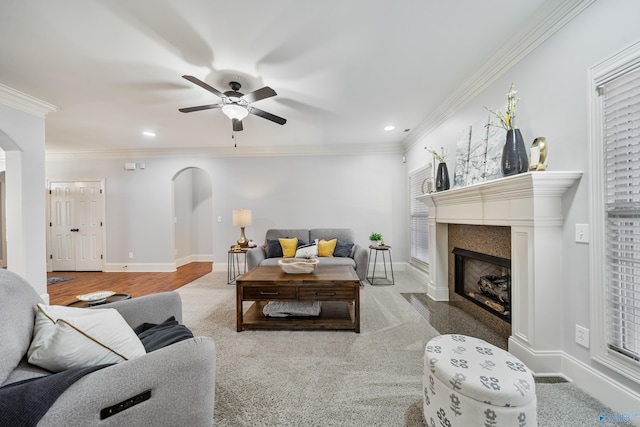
(26, 103)
(551, 17)
(251, 151)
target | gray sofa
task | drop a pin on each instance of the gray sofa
(358, 258)
(181, 376)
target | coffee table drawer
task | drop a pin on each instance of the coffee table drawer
(267, 293)
(325, 294)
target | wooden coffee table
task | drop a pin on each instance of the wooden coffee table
(337, 287)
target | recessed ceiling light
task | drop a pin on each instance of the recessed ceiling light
(389, 127)
(148, 133)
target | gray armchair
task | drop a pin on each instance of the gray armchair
(180, 377)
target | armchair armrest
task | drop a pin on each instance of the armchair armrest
(155, 308)
(361, 257)
(181, 378)
(255, 256)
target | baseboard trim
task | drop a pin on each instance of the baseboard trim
(194, 258)
(219, 267)
(617, 396)
(140, 267)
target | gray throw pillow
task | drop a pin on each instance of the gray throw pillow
(343, 249)
(274, 248)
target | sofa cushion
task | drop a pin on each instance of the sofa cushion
(17, 302)
(289, 247)
(343, 249)
(344, 234)
(288, 233)
(337, 261)
(326, 247)
(67, 337)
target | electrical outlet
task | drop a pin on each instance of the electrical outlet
(582, 336)
(130, 255)
(219, 219)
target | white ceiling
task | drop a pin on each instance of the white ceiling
(343, 69)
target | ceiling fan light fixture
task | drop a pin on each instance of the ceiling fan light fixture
(234, 111)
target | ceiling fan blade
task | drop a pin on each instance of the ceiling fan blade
(237, 125)
(199, 108)
(265, 92)
(265, 115)
(203, 85)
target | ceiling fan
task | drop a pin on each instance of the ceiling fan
(236, 105)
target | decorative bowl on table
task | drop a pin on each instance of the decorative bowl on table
(96, 297)
(298, 265)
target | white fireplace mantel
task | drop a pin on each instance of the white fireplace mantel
(531, 204)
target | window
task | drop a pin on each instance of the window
(621, 138)
(418, 182)
(615, 185)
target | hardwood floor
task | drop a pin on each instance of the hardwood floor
(136, 284)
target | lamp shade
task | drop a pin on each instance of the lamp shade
(234, 111)
(241, 217)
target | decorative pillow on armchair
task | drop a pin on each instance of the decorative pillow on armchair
(67, 337)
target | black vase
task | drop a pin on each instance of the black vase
(442, 177)
(514, 155)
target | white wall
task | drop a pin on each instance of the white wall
(193, 217)
(183, 210)
(202, 216)
(366, 192)
(22, 138)
(553, 87)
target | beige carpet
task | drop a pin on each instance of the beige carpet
(314, 378)
(317, 378)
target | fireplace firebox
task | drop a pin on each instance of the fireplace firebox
(484, 280)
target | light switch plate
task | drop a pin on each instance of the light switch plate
(582, 233)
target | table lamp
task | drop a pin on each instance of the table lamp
(242, 218)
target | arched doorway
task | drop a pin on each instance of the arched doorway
(192, 216)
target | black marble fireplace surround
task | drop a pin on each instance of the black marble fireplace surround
(484, 280)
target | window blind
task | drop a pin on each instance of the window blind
(419, 233)
(621, 135)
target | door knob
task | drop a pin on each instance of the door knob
(75, 229)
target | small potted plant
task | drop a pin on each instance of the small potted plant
(376, 239)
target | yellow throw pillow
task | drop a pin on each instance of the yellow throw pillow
(326, 248)
(289, 247)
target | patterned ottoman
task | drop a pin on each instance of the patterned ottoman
(469, 382)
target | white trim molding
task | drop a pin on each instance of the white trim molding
(25, 103)
(168, 267)
(550, 18)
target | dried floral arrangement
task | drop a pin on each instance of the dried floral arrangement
(439, 157)
(506, 119)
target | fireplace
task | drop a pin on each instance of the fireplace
(530, 204)
(484, 280)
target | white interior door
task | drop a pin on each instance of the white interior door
(76, 225)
